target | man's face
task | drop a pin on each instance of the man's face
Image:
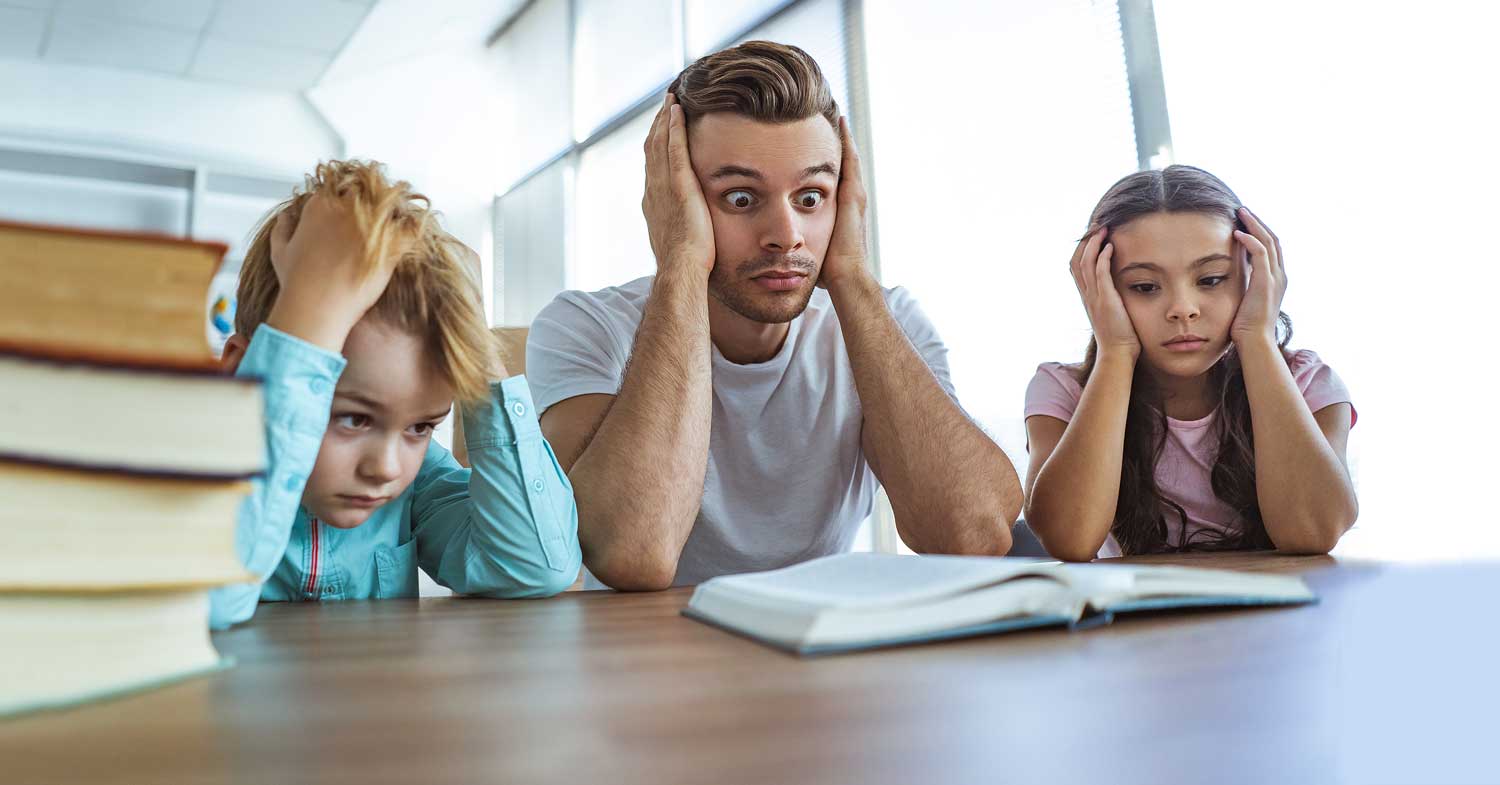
(387, 402)
(771, 191)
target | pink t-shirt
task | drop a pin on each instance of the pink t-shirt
(1187, 457)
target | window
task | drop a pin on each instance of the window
(1364, 138)
(996, 128)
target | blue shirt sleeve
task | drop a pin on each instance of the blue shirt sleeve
(299, 379)
(509, 526)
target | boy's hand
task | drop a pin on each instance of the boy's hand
(327, 284)
(677, 219)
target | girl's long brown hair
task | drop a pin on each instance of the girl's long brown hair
(1140, 524)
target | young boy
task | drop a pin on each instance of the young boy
(357, 495)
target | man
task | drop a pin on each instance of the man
(734, 411)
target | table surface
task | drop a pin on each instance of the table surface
(1391, 677)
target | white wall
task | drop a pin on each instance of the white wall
(432, 119)
(255, 131)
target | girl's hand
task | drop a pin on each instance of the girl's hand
(1113, 330)
(1256, 318)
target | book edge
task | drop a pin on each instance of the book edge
(20, 710)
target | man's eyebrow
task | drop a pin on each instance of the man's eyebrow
(823, 168)
(732, 170)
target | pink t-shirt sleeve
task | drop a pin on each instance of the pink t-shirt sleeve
(1054, 391)
(1320, 386)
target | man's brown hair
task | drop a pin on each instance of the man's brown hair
(761, 80)
(434, 292)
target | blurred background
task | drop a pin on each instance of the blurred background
(1364, 133)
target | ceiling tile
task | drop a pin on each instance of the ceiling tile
(222, 60)
(21, 32)
(315, 25)
(176, 14)
(120, 45)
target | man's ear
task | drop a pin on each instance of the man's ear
(234, 351)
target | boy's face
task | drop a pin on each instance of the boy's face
(386, 405)
(771, 192)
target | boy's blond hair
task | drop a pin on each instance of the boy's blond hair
(434, 292)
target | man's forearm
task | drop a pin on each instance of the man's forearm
(639, 482)
(952, 488)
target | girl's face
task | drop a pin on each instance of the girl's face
(1181, 277)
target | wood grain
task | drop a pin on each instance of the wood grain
(1387, 678)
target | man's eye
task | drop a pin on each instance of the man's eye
(809, 199)
(1213, 280)
(1143, 288)
(739, 199)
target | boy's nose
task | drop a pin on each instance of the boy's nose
(381, 465)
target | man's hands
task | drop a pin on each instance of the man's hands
(682, 233)
(327, 284)
(848, 250)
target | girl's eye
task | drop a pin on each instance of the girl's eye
(424, 428)
(809, 199)
(352, 421)
(739, 199)
(1143, 288)
(1213, 280)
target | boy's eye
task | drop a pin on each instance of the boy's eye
(354, 421)
(1143, 288)
(1213, 280)
(739, 199)
(809, 199)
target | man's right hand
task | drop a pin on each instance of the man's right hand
(327, 281)
(682, 233)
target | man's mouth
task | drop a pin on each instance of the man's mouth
(781, 280)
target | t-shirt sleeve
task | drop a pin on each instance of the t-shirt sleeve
(1320, 386)
(1054, 392)
(574, 348)
(922, 334)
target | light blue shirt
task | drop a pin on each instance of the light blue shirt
(506, 528)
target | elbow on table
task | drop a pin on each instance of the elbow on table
(1317, 536)
(648, 570)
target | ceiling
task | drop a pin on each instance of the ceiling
(272, 44)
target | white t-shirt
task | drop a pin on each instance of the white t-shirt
(787, 478)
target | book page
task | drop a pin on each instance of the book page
(874, 580)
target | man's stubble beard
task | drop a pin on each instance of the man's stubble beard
(730, 287)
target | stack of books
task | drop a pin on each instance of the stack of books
(124, 456)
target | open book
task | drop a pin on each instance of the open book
(867, 600)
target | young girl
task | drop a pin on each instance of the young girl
(1189, 425)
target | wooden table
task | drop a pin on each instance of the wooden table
(1390, 678)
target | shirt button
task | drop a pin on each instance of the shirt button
(518, 409)
(318, 386)
(291, 482)
(536, 485)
